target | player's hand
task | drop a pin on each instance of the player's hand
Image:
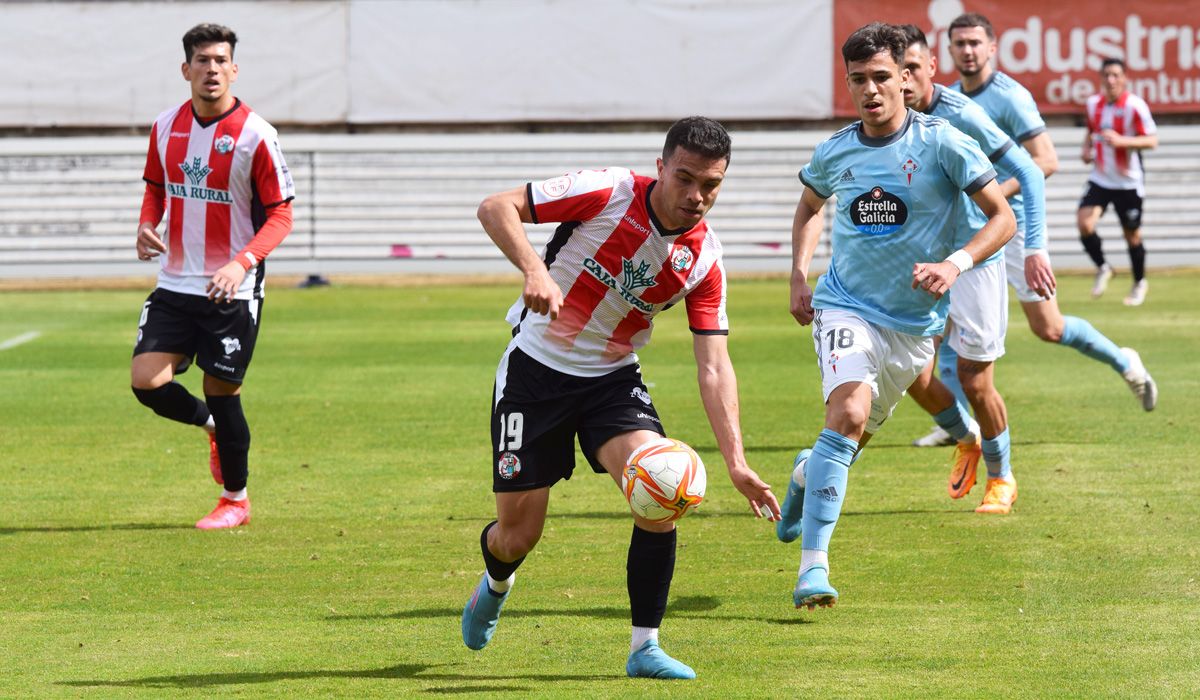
(1111, 138)
(934, 278)
(149, 245)
(1088, 156)
(1040, 276)
(801, 299)
(762, 501)
(541, 294)
(224, 284)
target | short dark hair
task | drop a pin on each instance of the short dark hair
(699, 135)
(876, 37)
(913, 35)
(206, 33)
(972, 19)
(1113, 62)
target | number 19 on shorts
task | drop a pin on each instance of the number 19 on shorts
(512, 428)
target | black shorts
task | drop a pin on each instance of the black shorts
(219, 335)
(1127, 203)
(541, 410)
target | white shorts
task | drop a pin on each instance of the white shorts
(1014, 263)
(979, 313)
(851, 349)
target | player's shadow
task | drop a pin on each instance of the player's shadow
(418, 672)
(697, 607)
(114, 527)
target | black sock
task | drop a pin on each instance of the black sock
(1093, 246)
(648, 572)
(498, 570)
(233, 439)
(1137, 260)
(173, 401)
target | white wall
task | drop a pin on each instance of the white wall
(103, 64)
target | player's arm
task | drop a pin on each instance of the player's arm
(1143, 142)
(937, 278)
(228, 279)
(806, 232)
(149, 245)
(719, 393)
(1038, 273)
(1041, 150)
(503, 216)
(1088, 155)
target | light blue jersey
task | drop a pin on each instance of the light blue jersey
(969, 118)
(898, 203)
(1014, 110)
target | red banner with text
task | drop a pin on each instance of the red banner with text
(1054, 49)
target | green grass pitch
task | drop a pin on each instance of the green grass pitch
(370, 479)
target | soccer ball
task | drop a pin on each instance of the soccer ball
(663, 480)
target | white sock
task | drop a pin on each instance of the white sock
(640, 635)
(798, 473)
(501, 586)
(812, 557)
(234, 495)
(210, 427)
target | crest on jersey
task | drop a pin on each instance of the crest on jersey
(232, 345)
(909, 167)
(224, 144)
(878, 212)
(636, 278)
(556, 187)
(681, 258)
(196, 171)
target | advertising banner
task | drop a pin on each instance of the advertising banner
(1055, 49)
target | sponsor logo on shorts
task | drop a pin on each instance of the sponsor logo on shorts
(828, 493)
(878, 212)
(640, 394)
(224, 144)
(508, 466)
(833, 360)
(681, 259)
(225, 368)
(232, 345)
(647, 416)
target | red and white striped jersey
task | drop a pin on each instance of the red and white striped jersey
(1129, 115)
(220, 176)
(618, 267)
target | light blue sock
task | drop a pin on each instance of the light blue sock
(1081, 335)
(954, 420)
(948, 373)
(825, 488)
(996, 455)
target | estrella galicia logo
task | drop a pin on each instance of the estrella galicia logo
(195, 171)
(224, 144)
(878, 212)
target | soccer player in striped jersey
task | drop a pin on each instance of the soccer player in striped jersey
(1119, 128)
(214, 171)
(901, 180)
(628, 247)
(979, 305)
(1012, 108)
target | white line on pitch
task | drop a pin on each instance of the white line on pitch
(19, 340)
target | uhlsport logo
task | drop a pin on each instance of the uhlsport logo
(224, 144)
(878, 212)
(681, 258)
(632, 279)
(508, 466)
(640, 394)
(196, 171)
(232, 345)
